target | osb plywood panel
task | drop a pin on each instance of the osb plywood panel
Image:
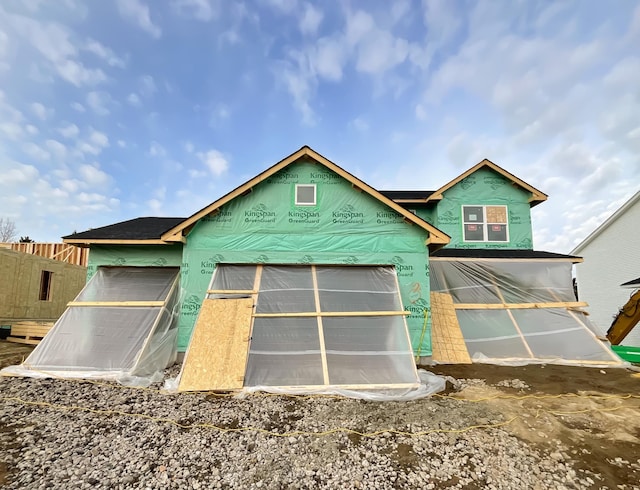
(217, 355)
(447, 342)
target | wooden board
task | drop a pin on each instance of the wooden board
(447, 342)
(29, 332)
(217, 355)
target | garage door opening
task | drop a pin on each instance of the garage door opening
(306, 327)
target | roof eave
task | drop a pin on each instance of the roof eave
(85, 242)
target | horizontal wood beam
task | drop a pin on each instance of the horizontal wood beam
(231, 291)
(517, 306)
(332, 313)
(117, 303)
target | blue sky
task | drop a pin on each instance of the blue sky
(111, 110)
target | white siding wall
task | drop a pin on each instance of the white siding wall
(611, 258)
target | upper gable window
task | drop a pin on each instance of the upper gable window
(305, 194)
(485, 223)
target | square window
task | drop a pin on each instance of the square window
(497, 233)
(473, 233)
(473, 214)
(305, 195)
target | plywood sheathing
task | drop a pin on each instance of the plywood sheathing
(447, 342)
(217, 355)
(20, 281)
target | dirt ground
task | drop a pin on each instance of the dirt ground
(593, 414)
(588, 415)
(13, 353)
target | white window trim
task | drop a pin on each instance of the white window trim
(315, 195)
(484, 223)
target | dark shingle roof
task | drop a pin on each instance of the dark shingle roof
(407, 195)
(489, 253)
(634, 282)
(133, 229)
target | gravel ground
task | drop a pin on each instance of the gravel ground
(118, 440)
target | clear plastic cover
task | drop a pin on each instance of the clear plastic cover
(356, 350)
(129, 343)
(540, 333)
(129, 284)
(429, 384)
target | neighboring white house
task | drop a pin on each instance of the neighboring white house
(611, 257)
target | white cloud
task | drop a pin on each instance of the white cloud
(201, 10)
(138, 13)
(69, 131)
(94, 144)
(311, 19)
(31, 129)
(19, 174)
(56, 148)
(284, 6)
(40, 111)
(77, 106)
(134, 100)
(380, 51)
(99, 139)
(92, 175)
(122, 143)
(155, 206)
(54, 42)
(188, 146)
(148, 86)
(157, 150)
(329, 58)
(215, 162)
(300, 84)
(360, 124)
(105, 53)
(99, 102)
(12, 130)
(35, 151)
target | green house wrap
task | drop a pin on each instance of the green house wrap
(343, 226)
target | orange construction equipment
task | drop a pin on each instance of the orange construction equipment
(625, 320)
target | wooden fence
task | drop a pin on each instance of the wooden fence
(57, 251)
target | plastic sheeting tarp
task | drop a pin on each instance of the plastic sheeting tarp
(131, 343)
(523, 334)
(291, 351)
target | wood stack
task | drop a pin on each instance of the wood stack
(29, 332)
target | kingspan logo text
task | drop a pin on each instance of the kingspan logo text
(347, 214)
(387, 214)
(304, 214)
(320, 175)
(259, 213)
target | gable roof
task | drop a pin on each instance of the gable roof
(621, 210)
(436, 238)
(134, 231)
(537, 196)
